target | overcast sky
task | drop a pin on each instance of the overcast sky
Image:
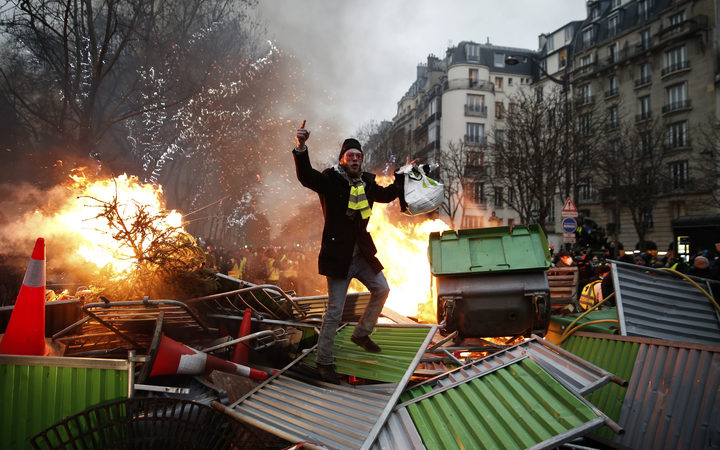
(360, 56)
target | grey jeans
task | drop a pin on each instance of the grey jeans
(337, 291)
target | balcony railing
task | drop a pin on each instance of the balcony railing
(476, 110)
(676, 106)
(642, 116)
(468, 83)
(642, 81)
(680, 65)
(475, 140)
(677, 144)
(611, 92)
(699, 22)
(585, 100)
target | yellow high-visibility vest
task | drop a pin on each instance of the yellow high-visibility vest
(591, 294)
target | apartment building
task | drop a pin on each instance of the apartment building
(629, 62)
(644, 61)
(455, 103)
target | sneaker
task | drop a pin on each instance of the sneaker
(366, 343)
(327, 373)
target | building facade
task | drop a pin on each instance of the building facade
(630, 62)
(649, 66)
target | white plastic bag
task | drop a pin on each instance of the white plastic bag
(422, 193)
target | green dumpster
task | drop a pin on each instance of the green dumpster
(491, 282)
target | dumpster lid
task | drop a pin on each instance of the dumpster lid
(493, 249)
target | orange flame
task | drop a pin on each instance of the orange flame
(403, 250)
(95, 243)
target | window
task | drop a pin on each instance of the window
(677, 19)
(498, 82)
(676, 96)
(562, 58)
(473, 74)
(499, 137)
(475, 105)
(595, 11)
(675, 59)
(433, 107)
(613, 117)
(644, 75)
(679, 174)
(586, 124)
(677, 135)
(614, 149)
(478, 192)
(499, 110)
(644, 9)
(509, 81)
(550, 44)
(586, 60)
(644, 107)
(585, 188)
(433, 132)
(587, 37)
(613, 22)
(472, 52)
(475, 159)
(646, 146)
(539, 94)
(511, 107)
(585, 93)
(644, 40)
(613, 54)
(498, 200)
(612, 86)
(568, 34)
(615, 4)
(677, 209)
(499, 60)
(475, 133)
(647, 217)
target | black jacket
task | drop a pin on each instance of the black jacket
(341, 232)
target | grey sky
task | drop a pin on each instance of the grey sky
(360, 55)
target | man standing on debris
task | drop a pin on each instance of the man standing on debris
(347, 250)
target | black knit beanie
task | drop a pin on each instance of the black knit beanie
(348, 144)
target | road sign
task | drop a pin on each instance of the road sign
(569, 209)
(569, 225)
(569, 238)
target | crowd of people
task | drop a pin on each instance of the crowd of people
(292, 269)
(595, 284)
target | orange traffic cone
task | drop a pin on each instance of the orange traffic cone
(240, 355)
(174, 358)
(25, 333)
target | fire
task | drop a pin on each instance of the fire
(402, 249)
(97, 243)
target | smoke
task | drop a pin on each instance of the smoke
(30, 212)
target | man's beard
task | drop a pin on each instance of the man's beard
(352, 173)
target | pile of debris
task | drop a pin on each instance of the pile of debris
(236, 369)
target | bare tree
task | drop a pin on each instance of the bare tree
(376, 138)
(453, 174)
(633, 167)
(76, 68)
(530, 161)
(707, 169)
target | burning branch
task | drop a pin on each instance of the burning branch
(165, 260)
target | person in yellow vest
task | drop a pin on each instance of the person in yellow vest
(593, 292)
(273, 267)
(347, 251)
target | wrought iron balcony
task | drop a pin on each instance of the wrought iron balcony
(476, 110)
(681, 105)
(676, 67)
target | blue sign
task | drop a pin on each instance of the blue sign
(569, 225)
